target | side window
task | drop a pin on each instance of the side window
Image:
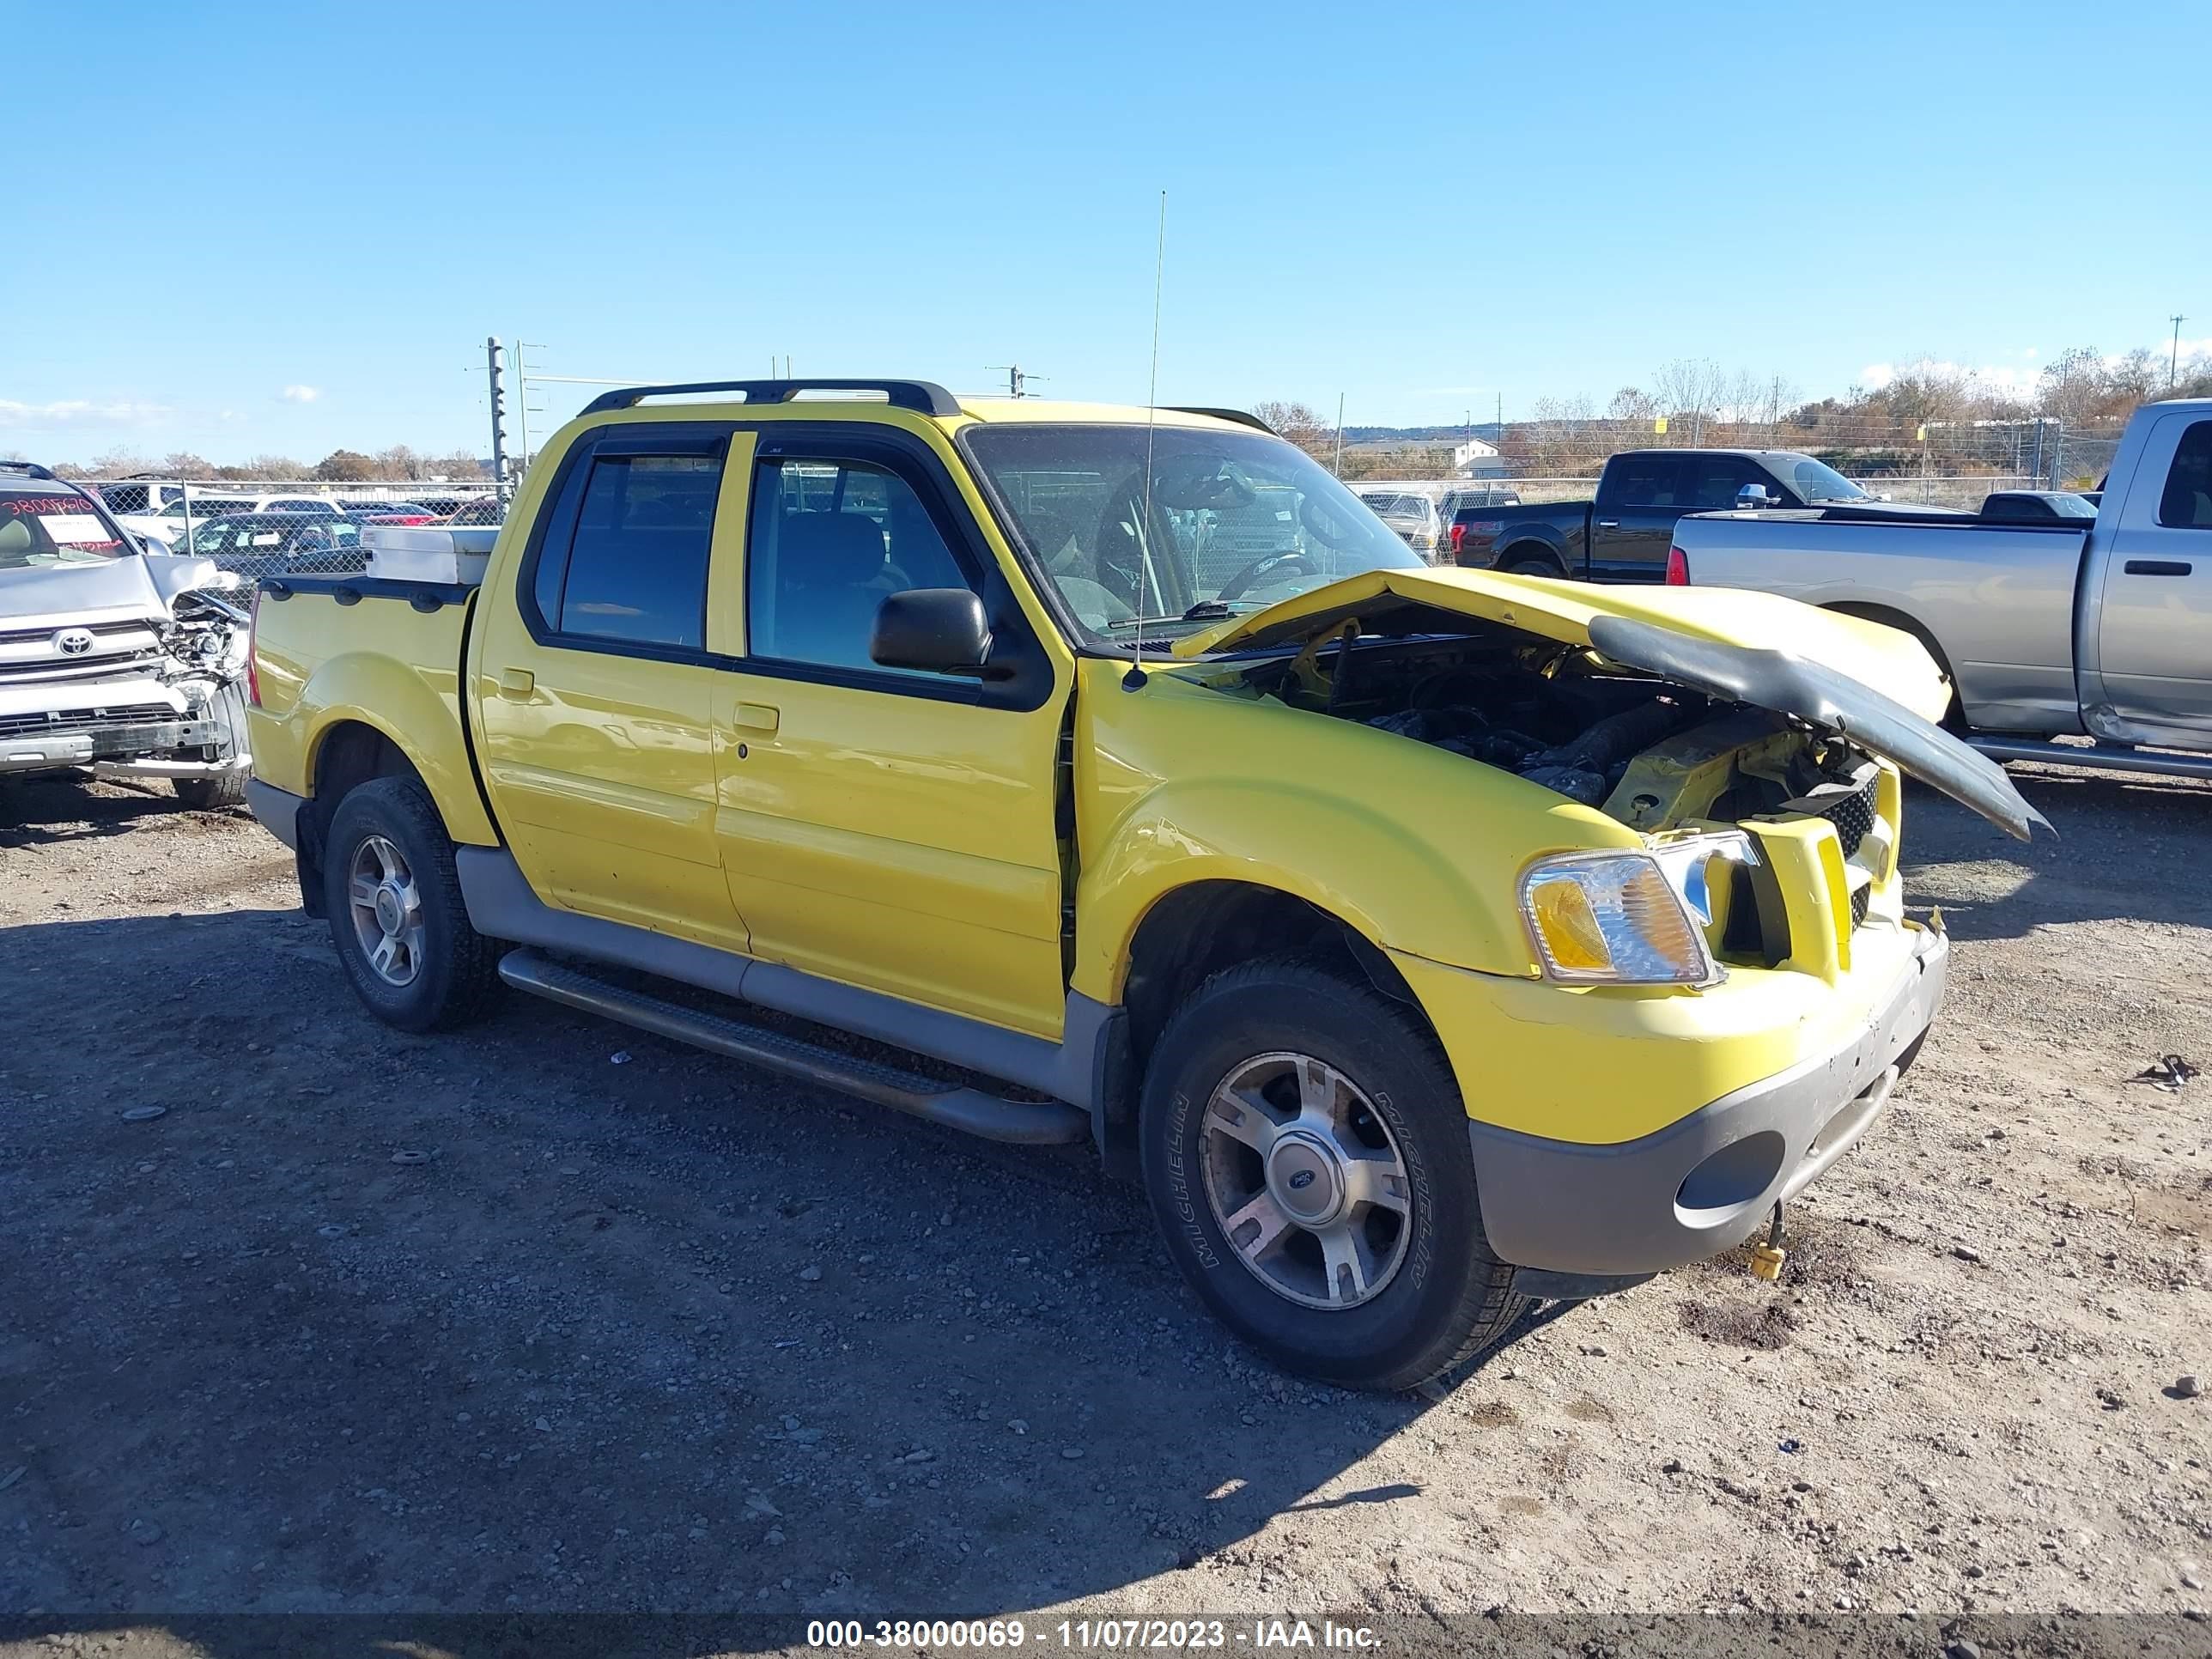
(636, 569)
(2186, 500)
(1648, 481)
(1715, 479)
(828, 542)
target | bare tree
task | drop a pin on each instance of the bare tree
(2073, 383)
(1299, 422)
(346, 466)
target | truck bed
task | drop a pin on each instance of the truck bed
(1993, 601)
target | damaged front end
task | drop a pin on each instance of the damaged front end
(130, 668)
(1764, 782)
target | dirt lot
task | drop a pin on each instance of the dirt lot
(554, 1316)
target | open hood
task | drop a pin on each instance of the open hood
(1819, 666)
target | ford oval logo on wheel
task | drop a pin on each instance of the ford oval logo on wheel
(1301, 1180)
(73, 641)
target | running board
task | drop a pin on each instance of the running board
(1028, 1123)
(2110, 756)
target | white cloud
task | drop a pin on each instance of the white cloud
(1997, 377)
(76, 411)
(300, 394)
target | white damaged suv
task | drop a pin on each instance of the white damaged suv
(115, 659)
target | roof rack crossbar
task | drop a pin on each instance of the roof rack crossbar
(923, 396)
(29, 470)
(1242, 417)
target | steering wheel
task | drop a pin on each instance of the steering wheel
(1235, 587)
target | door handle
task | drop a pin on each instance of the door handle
(2157, 567)
(516, 682)
(1608, 524)
(755, 717)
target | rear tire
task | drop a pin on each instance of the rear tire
(1538, 565)
(396, 917)
(1424, 1293)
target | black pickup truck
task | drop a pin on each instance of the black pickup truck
(1623, 536)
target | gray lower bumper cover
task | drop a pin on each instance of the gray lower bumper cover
(1562, 1207)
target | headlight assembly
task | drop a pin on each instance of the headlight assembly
(1629, 918)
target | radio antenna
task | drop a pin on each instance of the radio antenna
(1135, 677)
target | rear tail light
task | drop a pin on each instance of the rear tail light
(253, 650)
(1678, 568)
(1458, 538)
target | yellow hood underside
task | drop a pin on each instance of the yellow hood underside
(1884, 659)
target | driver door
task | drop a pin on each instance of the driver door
(887, 828)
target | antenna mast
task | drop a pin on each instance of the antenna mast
(1135, 677)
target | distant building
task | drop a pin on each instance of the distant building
(1476, 459)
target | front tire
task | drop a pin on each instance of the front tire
(221, 789)
(1305, 1151)
(396, 917)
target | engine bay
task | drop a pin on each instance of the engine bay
(1646, 750)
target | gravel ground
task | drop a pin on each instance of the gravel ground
(555, 1316)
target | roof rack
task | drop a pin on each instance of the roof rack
(1242, 417)
(29, 470)
(924, 397)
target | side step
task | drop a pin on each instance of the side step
(2109, 756)
(1028, 1123)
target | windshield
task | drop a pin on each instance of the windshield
(1816, 481)
(40, 528)
(1239, 521)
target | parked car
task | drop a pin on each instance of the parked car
(258, 544)
(138, 495)
(1413, 518)
(113, 662)
(2097, 626)
(484, 510)
(1419, 968)
(2012, 506)
(169, 524)
(1623, 534)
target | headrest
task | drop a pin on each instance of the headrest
(831, 549)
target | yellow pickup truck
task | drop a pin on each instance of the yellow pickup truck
(1426, 941)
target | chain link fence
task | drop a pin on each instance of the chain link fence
(274, 528)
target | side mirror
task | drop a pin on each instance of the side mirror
(1753, 495)
(938, 630)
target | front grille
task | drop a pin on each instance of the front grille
(1860, 901)
(62, 668)
(97, 630)
(1853, 817)
(85, 719)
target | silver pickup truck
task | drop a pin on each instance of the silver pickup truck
(2098, 627)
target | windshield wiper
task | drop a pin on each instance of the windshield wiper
(1204, 610)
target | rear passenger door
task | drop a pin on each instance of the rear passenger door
(2154, 624)
(1632, 522)
(596, 684)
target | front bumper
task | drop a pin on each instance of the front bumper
(1704, 1183)
(112, 747)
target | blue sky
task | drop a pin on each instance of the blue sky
(289, 227)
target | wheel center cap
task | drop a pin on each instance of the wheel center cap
(1306, 1178)
(391, 912)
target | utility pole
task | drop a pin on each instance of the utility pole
(2173, 361)
(1337, 465)
(522, 404)
(1018, 380)
(495, 365)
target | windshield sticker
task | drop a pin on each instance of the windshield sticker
(32, 506)
(76, 530)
